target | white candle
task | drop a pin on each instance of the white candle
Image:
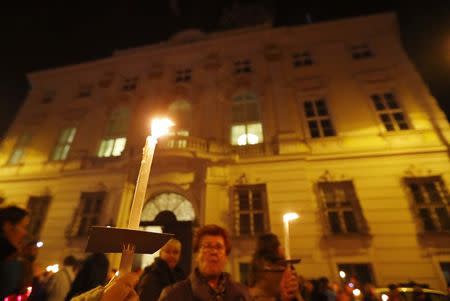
(286, 219)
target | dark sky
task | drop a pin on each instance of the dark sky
(41, 37)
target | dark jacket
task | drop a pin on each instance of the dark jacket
(196, 288)
(10, 269)
(156, 277)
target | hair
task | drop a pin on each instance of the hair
(267, 248)
(12, 214)
(93, 272)
(171, 242)
(70, 261)
(213, 230)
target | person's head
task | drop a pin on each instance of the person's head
(212, 245)
(70, 261)
(268, 247)
(171, 252)
(14, 222)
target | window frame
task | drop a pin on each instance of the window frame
(242, 66)
(62, 144)
(389, 112)
(129, 84)
(77, 228)
(316, 118)
(361, 51)
(115, 132)
(251, 212)
(22, 143)
(340, 206)
(183, 75)
(302, 59)
(428, 203)
(37, 207)
(246, 112)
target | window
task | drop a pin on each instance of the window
(389, 111)
(431, 202)
(19, 148)
(129, 84)
(244, 273)
(361, 51)
(183, 75)
(87, 213)
(62, 147)
(250, 210)
(115, 139)
(48, 97)
(246, 125)
(445, 267)
(318, 119)
(84, 91)
(301, 59)
(38, 208)
(361, 271)
(242, 66)
(341, 207)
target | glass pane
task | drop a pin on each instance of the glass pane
(350, 222)
(258, 223)
(327, 127)
(257, 200)
(333, 219)
(391, 102)
(417, 194)
(444, 219)
(64, 151)
(57, 153)
(313, 128)
(433, 193)
(427, 220)
(309, 110)
(16, 156)
(244, 201)
(236, 132)
(71, 135)
(378, 102)
(82, 229)
(244, 224)
(387, 122)
(238, 113)
(119, 146)
(321, 108)
(254, 133)
(106, 147)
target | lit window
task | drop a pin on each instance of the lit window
(62, 147)
(184, 75)
(19, 149)
(431, 202)
(361, 51)
(114, 141)
(250, 210)
(301, 59)
(389, 111)
(242, 66)
(341, 207)
(318, 119)
(246, 127)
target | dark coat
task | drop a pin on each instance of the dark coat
(195, 288)
(156, 277)
(11, 271)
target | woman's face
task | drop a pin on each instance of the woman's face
(15, 233)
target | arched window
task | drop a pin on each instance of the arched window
(114, 139)
(246, 125)
(173, 202)
(181, 113)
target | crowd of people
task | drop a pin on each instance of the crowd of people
(272, 278)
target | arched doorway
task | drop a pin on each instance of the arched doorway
(171, 213)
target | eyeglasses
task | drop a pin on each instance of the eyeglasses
(210, 247)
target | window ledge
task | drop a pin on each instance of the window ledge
(438, 239)
(397, 133)
(343, 240)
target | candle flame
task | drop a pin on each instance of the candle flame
(160, 127)
(287, 217)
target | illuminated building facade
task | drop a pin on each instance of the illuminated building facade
(330, 120)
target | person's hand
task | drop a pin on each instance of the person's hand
(121, 288)
(289, 287)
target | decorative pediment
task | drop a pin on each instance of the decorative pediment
(417, 171)
(328, 176)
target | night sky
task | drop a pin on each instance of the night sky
(41, 37)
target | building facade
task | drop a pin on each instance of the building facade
(330, 120)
